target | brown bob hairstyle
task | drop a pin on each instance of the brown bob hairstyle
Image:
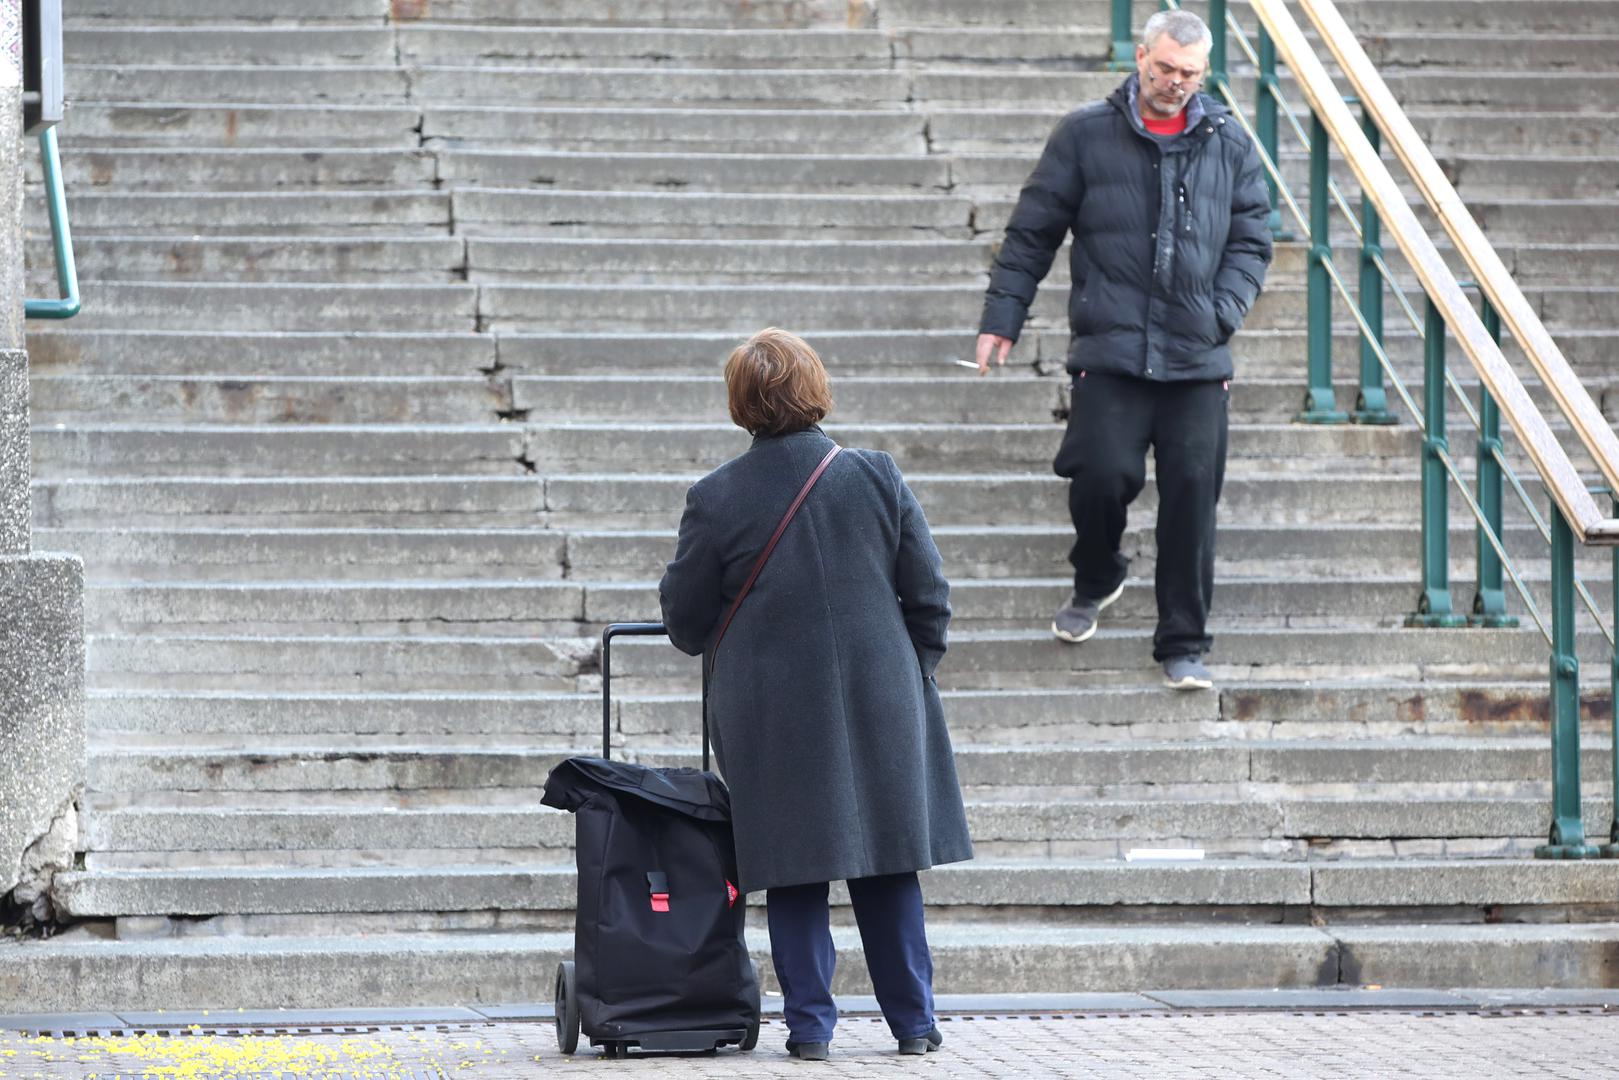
(775, 384)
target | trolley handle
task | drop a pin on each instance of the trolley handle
(612, 631)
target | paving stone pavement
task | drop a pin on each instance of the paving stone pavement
(1578, 1044)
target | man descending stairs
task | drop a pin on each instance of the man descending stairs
(400, 347)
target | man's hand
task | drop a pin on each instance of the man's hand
(992, 344)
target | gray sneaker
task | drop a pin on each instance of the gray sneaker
(1187, 673)
(1076, 620)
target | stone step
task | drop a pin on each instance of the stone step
(1342, 552)
(1028, 659)
(256, 84)
(134, 168)
(271, 214)
(281, 306)
(507, 308)
(479, 501)
(123, 765)
(433, 44)
(197, 555)
(617, 500)
(640, 169)
(523, 212)
(418, 969)
(1504, 221)
(1473, 173)
(945, 447)
(67, 350)
(1446, 16)
(118, 43)
(1390, 50)
(1446, 131)
(836, 84)
(252, 450)
(993, 552)
(1014, 659)
(392, 449)
(221, 259)
(1036, 497)
(1260, 353)
(1365, 15)
(1070, 886)
(199, 125)
(169, 399)
(702, 13)
(155, 12)
(334, 830)
(1079, 715)
(822, 131)
(717, 261)
(967, 398)
(504, 607)
(1240, 709)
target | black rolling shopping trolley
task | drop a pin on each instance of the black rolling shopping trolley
(659, 960)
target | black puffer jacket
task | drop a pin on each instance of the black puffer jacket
(1171, 239)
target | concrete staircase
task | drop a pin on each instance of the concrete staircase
(401, 345)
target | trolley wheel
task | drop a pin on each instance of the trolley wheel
(567, 1009)
(751, 1040)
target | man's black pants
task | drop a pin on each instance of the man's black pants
(1112, 421)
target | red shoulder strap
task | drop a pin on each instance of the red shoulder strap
(764, 556)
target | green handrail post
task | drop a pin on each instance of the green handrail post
(1371, 403)
(1433, 606)
(1490, 599)
(1124, 40)
(1265, 125)
(1610, 850)
(67, 272)
(1217, 52)
(1566, 839)
(1320, 406)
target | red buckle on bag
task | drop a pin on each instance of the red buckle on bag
(658, 886)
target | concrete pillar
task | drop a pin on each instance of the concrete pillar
(42, 743)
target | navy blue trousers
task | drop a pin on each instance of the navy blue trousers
(888, 910)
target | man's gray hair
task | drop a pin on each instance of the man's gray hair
(1183, 26)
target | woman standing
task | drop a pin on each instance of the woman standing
(825, 718)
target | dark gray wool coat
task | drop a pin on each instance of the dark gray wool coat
(825, 717)
(1171, 239)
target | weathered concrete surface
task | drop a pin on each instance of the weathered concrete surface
(42, 751)
(11, 173)
(15, 498)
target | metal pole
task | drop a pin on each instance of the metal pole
(1320, 406)
(1124, 44)
(1217, 52)
(67, 274)
(1433, 606)
(1610, 850)
(1490, 599)
(1371, 402)
(1265, 125)
(1566, 839)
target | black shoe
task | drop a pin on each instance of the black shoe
(922, 1044)
(809, 1051)
(1075, 621)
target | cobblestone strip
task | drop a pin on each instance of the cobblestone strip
(1577, 1045)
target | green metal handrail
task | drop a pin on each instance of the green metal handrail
(1439, 469)
(67, 272)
